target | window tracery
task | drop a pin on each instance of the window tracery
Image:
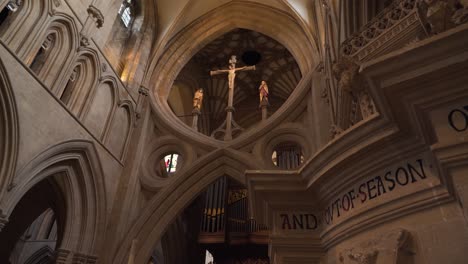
(125, 12)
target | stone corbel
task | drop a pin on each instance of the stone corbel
(97, 16)
(383, 249)
(143, 93)
(14, 5)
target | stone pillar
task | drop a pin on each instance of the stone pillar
(264, 107)
(131, 257)
(195, 114)
(143, 92)
(229, 110)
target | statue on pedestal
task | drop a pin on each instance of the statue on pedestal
(198, 99)
(263, 92)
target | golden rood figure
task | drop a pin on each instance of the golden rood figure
(198, 99)
(263, 92)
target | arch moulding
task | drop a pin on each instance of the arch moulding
(267, 20)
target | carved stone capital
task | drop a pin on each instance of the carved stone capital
(381, 249)
(62, 256)
(347, 74)
(80, 258)
(3, 220)
(96, 14)
(143, 91)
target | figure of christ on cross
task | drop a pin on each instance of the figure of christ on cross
(231, 78)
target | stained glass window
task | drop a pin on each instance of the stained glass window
(171, 162)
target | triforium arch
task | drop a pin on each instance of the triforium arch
(31, 15)
(253, 16)
(74, 166)
(9, 133)
(167, 204)
(83, 76)
(55, 50)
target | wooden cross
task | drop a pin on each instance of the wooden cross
(229, 109)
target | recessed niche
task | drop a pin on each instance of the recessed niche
(287, 156)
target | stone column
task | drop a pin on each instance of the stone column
(131, 257)
(229, 110)
(143, 92)
(264, 107)
(195, 114)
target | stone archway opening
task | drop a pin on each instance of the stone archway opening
(37, 222)
(274, 65)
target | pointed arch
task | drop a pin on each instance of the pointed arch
(9, 132)
(169, 202)
(62, 33)
(255, 16)
(24, 26)
(121, 129)
(76, 169)
(42, 256)
(82, 78)
(100, 108)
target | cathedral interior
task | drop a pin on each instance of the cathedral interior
(234, 131)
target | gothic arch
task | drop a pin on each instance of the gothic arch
(121, 129)
(65, 33)
(42, 256)
(9, 132)
(104, 96)
(170, 201)
(76, 168)
(254, 16)
(32, 15)
(87, 64)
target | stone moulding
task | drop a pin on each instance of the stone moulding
(396, 26)
(406, 93)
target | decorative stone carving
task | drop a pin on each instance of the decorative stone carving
(461, 14)
(14, 5)
(96, 14)
(347, 73)
(395, 13)
(79, 258)
(57, 3)
(84, 40)
(381, 249)
(103, 67)
(366, 104)
(62, 255)
(3, 220)
(335, 130)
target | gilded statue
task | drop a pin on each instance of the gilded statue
(198, 99)
(263, 92)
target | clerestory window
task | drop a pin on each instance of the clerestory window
(125, 12)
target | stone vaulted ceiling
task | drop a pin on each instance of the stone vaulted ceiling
(174, 15)
(276, 66)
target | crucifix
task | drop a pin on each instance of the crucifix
(229, 122)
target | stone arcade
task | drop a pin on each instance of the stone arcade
(357, 151)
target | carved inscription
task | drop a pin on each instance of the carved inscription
(458, 119)
(298, 222)
(375, 187)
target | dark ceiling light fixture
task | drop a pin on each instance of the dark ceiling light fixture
(251, 57)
